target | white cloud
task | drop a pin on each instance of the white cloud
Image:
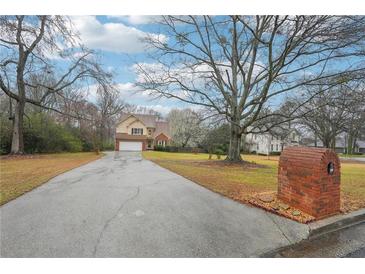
(164, 110)
(131, 91)
(135, 19)
(141, 98)
(194, 76)
(114, 37)
(127, 91)
(91, 92)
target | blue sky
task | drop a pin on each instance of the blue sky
(117, 40)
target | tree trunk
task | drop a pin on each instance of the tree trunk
(102, 130)
(315, 140)
(350, 144)
(234, 151)
(327, 141)
(353, 144)
(333, 143)
(17, 143)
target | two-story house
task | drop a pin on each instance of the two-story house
(267, 143)
(137, 132)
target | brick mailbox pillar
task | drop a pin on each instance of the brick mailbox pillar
(309, 179)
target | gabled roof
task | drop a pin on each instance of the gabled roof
(147, 119)
(150, 121)
(162, 127)
(284, 132)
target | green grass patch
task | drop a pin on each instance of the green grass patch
(239, 181)
(351, 155)
(21, 174)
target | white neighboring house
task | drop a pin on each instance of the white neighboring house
(266, 143)
(341, 145)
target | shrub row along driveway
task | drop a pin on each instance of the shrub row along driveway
(125, 206)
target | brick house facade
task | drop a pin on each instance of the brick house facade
(137, 132)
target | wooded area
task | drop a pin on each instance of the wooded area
(45, 75)
(241, 74)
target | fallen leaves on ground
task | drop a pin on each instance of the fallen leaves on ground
(244, 182)
(22, 173)
(279, 207)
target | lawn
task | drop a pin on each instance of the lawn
(352, 155)
(240, 182)
(21, 174)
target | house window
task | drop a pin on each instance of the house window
(137, 131)
(277, 147)
(149, 131)
(293, 136)
(257, 146)
(161, 143)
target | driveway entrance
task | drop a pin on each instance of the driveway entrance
(125, 206)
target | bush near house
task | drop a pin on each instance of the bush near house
(219, 153)
(216, 139)
(108, 146)
(162, 148)
(179, 149)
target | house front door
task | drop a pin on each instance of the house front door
(149, 144)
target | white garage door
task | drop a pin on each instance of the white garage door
(130, 146)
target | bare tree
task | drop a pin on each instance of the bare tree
(109, 105)
(28, 43)
(353, 128)
(148, 111)
(238, 65)
(355, 124)
(337, 110)
(185, 126)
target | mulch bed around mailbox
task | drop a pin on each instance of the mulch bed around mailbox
(270, 202)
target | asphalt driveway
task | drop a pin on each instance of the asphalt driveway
(125, 206)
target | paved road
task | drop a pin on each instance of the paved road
(124, 206)
(360, 253)
(348, 242)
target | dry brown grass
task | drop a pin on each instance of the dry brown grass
(242, 181)
(21, 174)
